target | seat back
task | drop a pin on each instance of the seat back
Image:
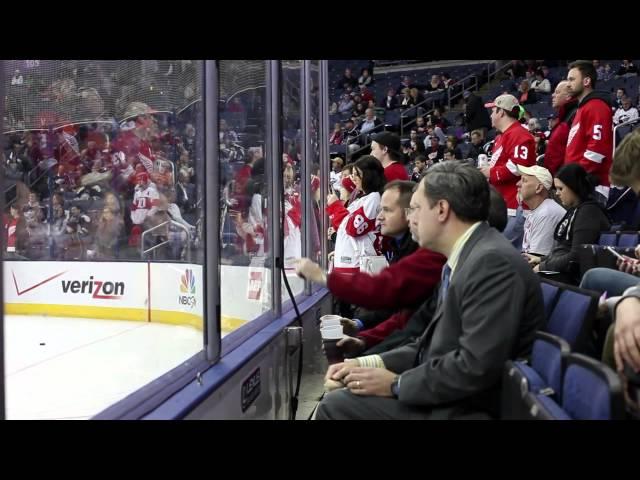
(572, 316)
(548, 359)
(591, 390)
(550, 292)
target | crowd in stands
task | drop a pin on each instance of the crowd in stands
(432, 352)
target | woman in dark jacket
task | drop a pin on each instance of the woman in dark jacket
(582, 224)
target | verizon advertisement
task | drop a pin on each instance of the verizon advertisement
(76, 283)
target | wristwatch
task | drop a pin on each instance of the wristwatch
(395, 387)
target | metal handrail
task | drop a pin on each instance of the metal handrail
(497, 70)
(367, 141)
(403, 113)
(461, 92)
(615, 129)
(143, 252)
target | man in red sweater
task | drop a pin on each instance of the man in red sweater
(590, 141)
(406, 283)
(566, 106)
(386, 148)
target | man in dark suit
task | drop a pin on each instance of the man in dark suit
(185, 193)
(488, 309)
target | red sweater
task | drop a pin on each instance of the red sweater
(557, 143)
(402, 284)
(395, 171)
(515, 146)
(377, 334)
(590, 142)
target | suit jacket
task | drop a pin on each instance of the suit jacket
(490, 314)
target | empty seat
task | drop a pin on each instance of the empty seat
(573, 316)
(542, 376)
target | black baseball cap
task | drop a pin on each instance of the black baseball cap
(389, 140)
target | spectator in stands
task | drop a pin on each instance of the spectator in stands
(335, 175)
(406, 83)
(236, 105)
(351, 131)
(226, 133)
(416, 96)
(477, 143)
(33, 203)
(617, 100)
(145, 198)
(369, 124)
(592, 143)
(438, 119)
(533, 125)
(13, 225)
(515, 146)
(526, 96)
(390, 102)
(626, 112)
(408, 280)
(454, 369)
(367, 95)
(435, 151)
(348, 80)
(33, 238)
(337, 136)
(447, 81)
(421, 125)
(108, 234)
(626, 310)
(475, 115)
(449, 154)
(386, 147)
(346, 105)
(627, 68)
(599, 70)
(416, 143)
(186, 193)
(452, 144)
(534, 189)
(419, 168)
(17, 78)
(541, 84)
(435, 84)
(365, 79)
(608, 73)
(406, 100)
(359, 111)
(566, 106)
(584, 220)
(355, 223)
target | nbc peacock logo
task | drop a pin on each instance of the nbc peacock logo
(188, 282)
(187, 289)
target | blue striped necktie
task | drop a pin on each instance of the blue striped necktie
(444, 284)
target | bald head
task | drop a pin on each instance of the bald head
(561, 95)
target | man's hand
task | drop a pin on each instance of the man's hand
(349, 327)
(332, 198)
(536, 269)
(310, 270)
(628, 265)
(486, 171)
(370, 381)
(351, 346)
(531, 259)
(626, 334)
(338, 371)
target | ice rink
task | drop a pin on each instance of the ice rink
(73, 368)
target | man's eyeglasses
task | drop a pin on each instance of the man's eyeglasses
(409, 210)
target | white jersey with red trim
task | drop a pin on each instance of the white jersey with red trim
(143, 200)
(357, 232)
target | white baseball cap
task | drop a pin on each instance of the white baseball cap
(542, 174)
